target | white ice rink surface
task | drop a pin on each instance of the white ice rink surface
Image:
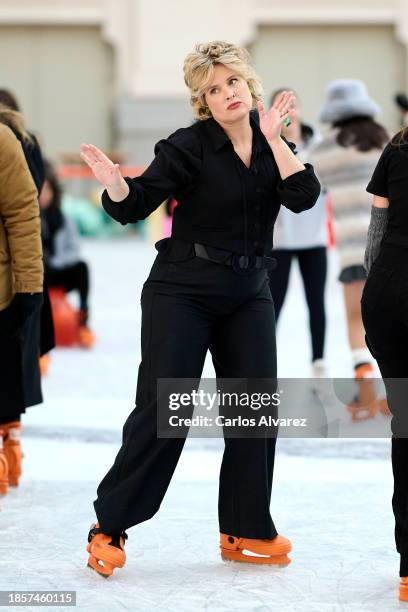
(332, 498)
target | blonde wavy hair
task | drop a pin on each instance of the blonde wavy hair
(199, 72)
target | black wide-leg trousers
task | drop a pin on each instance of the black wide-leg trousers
(385, 318)
(189, 306)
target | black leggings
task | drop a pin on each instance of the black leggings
(384, 310)
(71, 277)
(313, 268)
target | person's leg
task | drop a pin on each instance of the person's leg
(74, 277)
(365, 404)
(175, 337)
(78, 278)
(20, 388)
(383, 313)
(395, 375)
(313, 268)
(8, 417)
(244, 346)
(279, 278)
(352, 298)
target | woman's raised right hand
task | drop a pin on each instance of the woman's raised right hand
(104, 170)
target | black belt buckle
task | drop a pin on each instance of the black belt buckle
(243, 264)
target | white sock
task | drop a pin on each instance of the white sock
(361, 355)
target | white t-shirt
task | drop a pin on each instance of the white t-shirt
(307, 229)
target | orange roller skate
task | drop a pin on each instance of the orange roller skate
(12, 450)
(3, 468)
(106, 552)
(249, 550)
(365, 405)
(403, 590)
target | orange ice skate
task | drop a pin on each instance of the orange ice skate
(3, 468)
(44, 364)
(403, 591)
(86, 338)
(12, 450)
(383, 406)
(365, 404)
(106, 552)
(249, 550)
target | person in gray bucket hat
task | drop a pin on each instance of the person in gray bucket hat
(344, 161)
(346, 98)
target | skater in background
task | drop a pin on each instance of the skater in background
(62, 260)
(31, 147)
(12, 116)
(21, 285)
(208, 289)
(303, 237)
(385, 315)
(344, 162)
(401, 100)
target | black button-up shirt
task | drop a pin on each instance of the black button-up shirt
(221, 202)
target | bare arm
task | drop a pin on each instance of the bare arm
(271, 125)
(380, 202)
(286, 160)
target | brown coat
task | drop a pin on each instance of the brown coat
(21, 266)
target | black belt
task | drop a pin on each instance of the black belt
(239, 263)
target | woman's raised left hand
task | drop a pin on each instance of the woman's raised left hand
(271, 122)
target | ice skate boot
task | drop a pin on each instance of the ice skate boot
(12, 450)
(86, 338)
(3, 468)
(403, 590)
(251, 550)
(383, 406)
(365, 405)
(44, 364)
(106, 552)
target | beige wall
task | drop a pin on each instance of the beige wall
(70, 79)
(63, 79)
(306, 58)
